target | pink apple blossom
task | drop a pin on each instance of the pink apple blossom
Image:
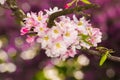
(30, 21)
(41, 29)
(40, 17)
(81, 24)
(95, 35)
(71, 52)
(56, 49)
(70, 36)
(51, 11)
(45, 41)
(55, 32)
(64, 37)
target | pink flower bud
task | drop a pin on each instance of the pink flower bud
(67, 6)
(24, 30)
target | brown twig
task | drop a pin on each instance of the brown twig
(17, 12)
(113, 58)
(69, 11)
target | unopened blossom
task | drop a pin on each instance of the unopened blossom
(24, 30)
(70, 4)
(67, 6)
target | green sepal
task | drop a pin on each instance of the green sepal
(103, 58)
(86, 1)
(85, 38)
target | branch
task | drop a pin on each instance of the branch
(18, 13)
(69, 11)
(113, 58)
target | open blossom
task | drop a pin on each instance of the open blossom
(41, 29)
(40, 17)
(45, 41)
(64, 37)
(50, 11)
(95, 35)
(70, 36)
(65, 23)
(55, 32)
(71, 52)
(81, 24)
(56, 49)
(30, 21)
(33, 19)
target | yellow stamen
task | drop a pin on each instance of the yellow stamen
(58, 45)
(56, 31)
(67, 34)
(31, 23)
(41, 29)
(46, 38)
(80, 23)
(39, 18)
(62, 24)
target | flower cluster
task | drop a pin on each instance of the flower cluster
(64, 37)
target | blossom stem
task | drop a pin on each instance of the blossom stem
(68, 11)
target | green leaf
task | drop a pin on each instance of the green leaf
(85, 38)
(39, 76)
(103, 58)
(86, 1)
